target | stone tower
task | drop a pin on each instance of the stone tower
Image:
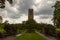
(30, 14)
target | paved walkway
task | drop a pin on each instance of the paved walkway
(8, 38)
(48, 38)
(14, 37)
(11, 37)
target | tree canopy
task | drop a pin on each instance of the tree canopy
(56, 16)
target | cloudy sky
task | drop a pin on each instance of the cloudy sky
(18, 11)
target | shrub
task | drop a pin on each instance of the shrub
(2, 33)
(50, 30)
(58, 32)
(10, 29)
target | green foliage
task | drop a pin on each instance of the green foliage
(47, 29)
(0, 17)
(58, 29)
(10, 29)
(50, 30)
(10, 1)
(2, 31)
(30, 25)
(58, 32)
(56, 18)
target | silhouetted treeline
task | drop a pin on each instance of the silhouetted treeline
(29, 26)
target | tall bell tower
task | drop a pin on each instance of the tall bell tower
(30, 14)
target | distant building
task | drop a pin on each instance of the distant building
(30, 14)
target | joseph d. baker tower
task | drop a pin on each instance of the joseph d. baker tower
(30, 14)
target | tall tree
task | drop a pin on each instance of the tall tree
(56, 18)
(0, 19)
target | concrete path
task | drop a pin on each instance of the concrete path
(48, 38)
(12, 37)
(8, 38)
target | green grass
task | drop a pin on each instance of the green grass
(30, 36)
(58, 29)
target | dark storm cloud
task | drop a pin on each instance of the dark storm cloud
(15, 16)
(25, 5)
(45, 16)
(19, 8)
(46, 7)
(14, 12)
(46, 11)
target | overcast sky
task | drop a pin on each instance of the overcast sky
(18, 11)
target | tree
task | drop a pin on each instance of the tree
(2, 3)
(11, 29)
(10, 1)
(49, 30)
(0, 19)
(30, 25)
(6, 22)
(56, 16)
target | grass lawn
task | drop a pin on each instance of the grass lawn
(58, 29)
(30, 36)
